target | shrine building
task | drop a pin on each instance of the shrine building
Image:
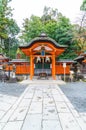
(43, 52)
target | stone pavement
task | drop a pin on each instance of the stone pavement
(37, 105)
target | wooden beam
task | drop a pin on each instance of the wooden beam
(31, 67)
(42, 56)
(53, 67)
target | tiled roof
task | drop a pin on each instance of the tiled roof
(2, 57)
(18, 60)
(66, 61)
(79, 57)
(43, 38)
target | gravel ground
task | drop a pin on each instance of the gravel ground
(12, 89)
(76, 93)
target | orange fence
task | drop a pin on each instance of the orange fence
(9, 67)
(22, 69)
(60, 69)
(25, 69)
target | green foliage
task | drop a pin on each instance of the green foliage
(80, 39)
(55, 25)
(31, 28)
(8, 27)
(50, 28)
(49, 14)
(83, 6)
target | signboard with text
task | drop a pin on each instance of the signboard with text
(64, 65)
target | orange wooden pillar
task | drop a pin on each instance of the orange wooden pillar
(31, 67)
(53, 67)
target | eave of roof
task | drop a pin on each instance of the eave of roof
(83, 54)
(66, 61)
(19, 61)
(42, 38)
(4, 58)
(79, 58)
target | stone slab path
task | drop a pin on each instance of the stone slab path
(37, 106)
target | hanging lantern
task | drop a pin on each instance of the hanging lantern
(42, 51)
(38, 59)
(47, 59)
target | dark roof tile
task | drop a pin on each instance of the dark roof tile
(43, 38)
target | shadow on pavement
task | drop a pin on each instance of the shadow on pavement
(76, 93)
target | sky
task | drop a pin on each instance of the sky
(25, 8)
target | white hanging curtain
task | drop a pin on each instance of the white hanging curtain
(47, 59)
(38, 59)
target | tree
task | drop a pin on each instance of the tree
(55, 25)
(8, 27)
(31, 28)
(49, 14)
(4, 20)
(59, 28)
(80, 39)
(80, 31)
(83, 18)
(83, 6)
(65, 37)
